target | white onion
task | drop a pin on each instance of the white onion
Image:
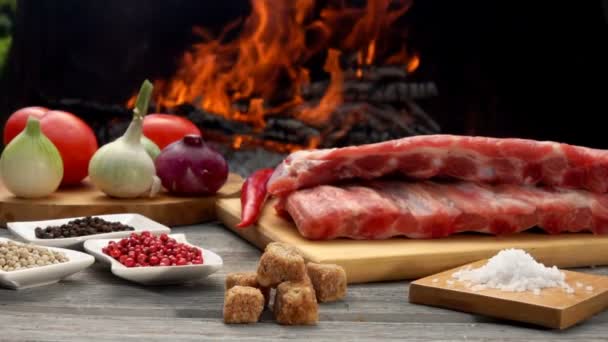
(123, 168)
(31, 165)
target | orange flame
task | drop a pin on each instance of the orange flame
(413, 64)
(332, 98)
(371, 51)
(267, 59)
(240, 141)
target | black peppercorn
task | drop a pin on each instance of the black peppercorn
(80, 227)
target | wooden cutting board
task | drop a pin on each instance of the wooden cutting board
(402, 258)
(552, 308)
(86, 200)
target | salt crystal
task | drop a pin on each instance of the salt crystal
(513, 270)
(536, 292)
(579, 284)
(450, 282)
(589, 288)
(435, 280)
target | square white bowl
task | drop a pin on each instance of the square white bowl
(43, 275)
(25, 230)
(157, 275)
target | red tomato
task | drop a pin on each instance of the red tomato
(16, 122)
(73, 138)
(165, 129)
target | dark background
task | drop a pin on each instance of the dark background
(533, 69)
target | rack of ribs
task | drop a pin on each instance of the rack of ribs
(436, 185)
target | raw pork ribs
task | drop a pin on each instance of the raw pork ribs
(477, 159)
(502, 186)
(383, 209)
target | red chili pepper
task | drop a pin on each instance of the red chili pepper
(253, 196)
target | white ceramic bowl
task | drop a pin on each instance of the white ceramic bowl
(157, 275)
(43, 275)
(25, 230)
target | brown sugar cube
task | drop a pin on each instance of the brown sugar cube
(329, 281)
(295, 304)
(279, 263)
(243, 304)
(247, 279)
(307, 280)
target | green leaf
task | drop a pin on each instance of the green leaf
(11, 4)
(5, 45)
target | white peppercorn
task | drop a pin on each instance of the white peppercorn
(15, 256)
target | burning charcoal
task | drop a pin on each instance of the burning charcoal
(351, 75)
(406, 91)
(402, 91)
(361, 122)
(385, 73)
(358, 88)
(349, 97)
(314, 90)
(359, 136)
(390, 93)
(289, 124)
(104, 119)
(361, 97)
(245, 161)
(424, 123)
(241, 106)
(88, 109)
(431, 89)
(376, 90)
(288, 130)
(348, 60)
(206, 121)
(378, 96)
(414, 90)
(389, 72)
(185, 109)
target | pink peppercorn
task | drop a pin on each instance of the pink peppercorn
(145, 249)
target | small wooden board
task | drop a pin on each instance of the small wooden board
(402, 258)
(552, 308)
(86, 200)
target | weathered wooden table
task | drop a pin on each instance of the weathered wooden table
(94, 305)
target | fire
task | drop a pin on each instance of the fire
(241, 140)
(413, 64)
(265, 67)
(332, 98)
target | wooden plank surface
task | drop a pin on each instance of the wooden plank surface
(93, 305)
(552, 307)
(401, 258)
(86, 200)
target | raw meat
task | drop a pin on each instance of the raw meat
(560, 210)
(485, 160)
(384, 209)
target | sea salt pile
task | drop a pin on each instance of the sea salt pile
(513, 270)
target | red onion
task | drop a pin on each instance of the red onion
(190, 167)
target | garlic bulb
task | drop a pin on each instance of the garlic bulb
(123, 168)
(31, 165)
